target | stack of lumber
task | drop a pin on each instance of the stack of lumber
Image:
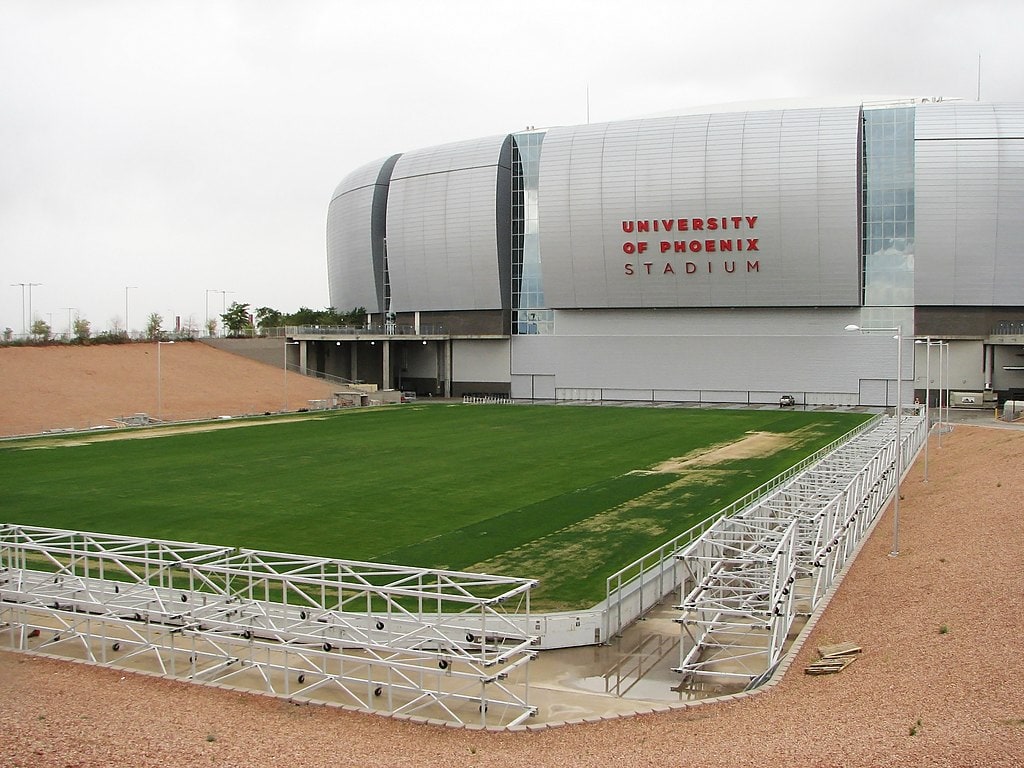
(834, 658)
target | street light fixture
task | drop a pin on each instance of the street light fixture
(899, 434)
(30, 286)
(286, 345)
(159, 383)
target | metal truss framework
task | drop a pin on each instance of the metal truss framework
(754, 572)
(432, 643)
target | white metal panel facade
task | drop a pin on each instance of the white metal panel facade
(737, 209)
(350, 264)
(724, 356)
(969, 183)
(442, 234)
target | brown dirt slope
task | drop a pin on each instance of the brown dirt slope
(43, 388)
(920, 695)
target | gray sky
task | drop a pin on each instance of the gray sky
(186, 146)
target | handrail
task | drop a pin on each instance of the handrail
(653, 561)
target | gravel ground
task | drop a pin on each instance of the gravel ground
(938, 684)
(62, 386)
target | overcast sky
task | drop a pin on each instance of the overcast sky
(180, 147)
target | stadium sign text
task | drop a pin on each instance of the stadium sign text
(690, 242)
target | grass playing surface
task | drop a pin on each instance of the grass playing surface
(563, 494)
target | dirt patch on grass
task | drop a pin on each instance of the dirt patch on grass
(752, 446)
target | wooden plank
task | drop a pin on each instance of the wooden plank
(839, 649)
(830, 665)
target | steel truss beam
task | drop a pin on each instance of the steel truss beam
(752, 574)
(434, 643)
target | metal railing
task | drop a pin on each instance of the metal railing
(636, 588)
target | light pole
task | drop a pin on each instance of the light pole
(127, 325)
(30, 286)
(286, 345)
(70, 310)
(927, 341)
(899, 435)
(223, 302)
(159, 383)
(207, 318)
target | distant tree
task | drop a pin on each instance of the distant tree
(8, 334)
(266, 317)
(81, 328)
(153, 329)
(237, 319)
(355, 316)
(188, 328)
(211, 327)
(41, 329)
(325, 317)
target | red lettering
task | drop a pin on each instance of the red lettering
(627, 226)
(709, 246)
(667, 224)
(752, 244)
(736, 221)
(698, 224)
(725, 245)
(695, 246)
(641, 246)
(643, 226)
(753, 266)
(712, 223)
(629, 270)
(628, 248)
(729, 269)
(655, 225)
(668, 269)
(690, 267)
(665, 246)
(648, 265)
(751, 221)
(684, 225)
(679, 246)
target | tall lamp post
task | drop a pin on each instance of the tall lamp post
(286, 345)
(206, 319)
(927, 341)
(159, 383)
(15, 285)
(899, 434)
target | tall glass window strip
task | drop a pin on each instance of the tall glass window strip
(529, 314)
(887, 240)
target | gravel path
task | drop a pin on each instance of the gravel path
(939, 682)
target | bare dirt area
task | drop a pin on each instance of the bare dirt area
(938, 682)
(64, 387)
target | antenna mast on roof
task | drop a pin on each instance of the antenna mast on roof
(979, 78)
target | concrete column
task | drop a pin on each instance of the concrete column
(386, 366)
(302, 357)
(353, 368)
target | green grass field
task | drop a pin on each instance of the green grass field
(563, 494)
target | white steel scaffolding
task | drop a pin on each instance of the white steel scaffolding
(425, 642)
(748, 578)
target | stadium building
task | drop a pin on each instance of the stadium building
(709, 258)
